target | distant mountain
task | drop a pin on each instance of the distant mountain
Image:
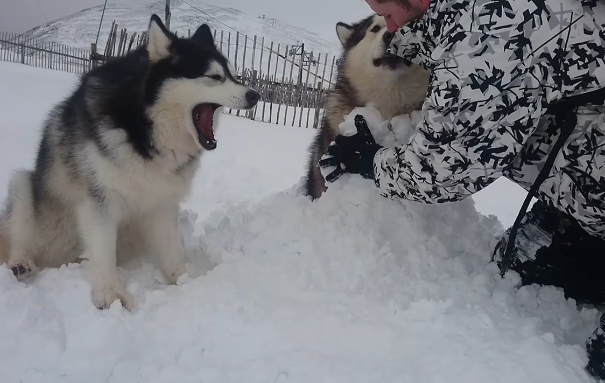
(80, 29)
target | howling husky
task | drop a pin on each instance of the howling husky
(115, 160)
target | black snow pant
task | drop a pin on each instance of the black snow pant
(552, 249)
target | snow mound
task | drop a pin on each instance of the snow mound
(354, 287)
(349, 288)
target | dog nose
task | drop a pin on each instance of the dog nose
(252, 96)
(387, 37)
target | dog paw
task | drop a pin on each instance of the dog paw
(103, 297)
(22, 270)
(172, 269)
(173, 276)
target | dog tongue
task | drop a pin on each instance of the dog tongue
(204, 124)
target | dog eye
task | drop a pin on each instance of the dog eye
(375, 29)
(215, 77)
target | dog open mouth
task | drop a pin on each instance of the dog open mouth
(203, 119)
(392, 62)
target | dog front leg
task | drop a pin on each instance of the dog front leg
(18, 229)
(163, 236)
(98, 228)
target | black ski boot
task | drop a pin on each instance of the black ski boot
(595, 346)
(552, 249)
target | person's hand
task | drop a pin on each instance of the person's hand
(352, 154)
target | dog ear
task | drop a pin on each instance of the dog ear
(159, 39)
(343, 31)
(203, 35)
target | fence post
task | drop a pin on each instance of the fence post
(93, 56)
(50, 55)
(252, 83)
(23, 50)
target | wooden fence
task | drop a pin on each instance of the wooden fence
(43, 54)
(292, 82)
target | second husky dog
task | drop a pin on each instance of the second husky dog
(366, 74)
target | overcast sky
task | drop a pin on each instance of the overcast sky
(315, 15)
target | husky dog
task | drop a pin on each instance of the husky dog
(116, 159)
(366, 74)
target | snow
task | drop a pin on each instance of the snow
(81, 28)
(350, 288)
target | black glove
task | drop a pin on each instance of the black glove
(352, 154)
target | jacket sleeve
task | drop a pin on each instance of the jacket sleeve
(482, 105)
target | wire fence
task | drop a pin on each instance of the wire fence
(292, 82)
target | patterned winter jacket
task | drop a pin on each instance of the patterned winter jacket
(496, 65)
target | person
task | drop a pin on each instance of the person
(515, 91)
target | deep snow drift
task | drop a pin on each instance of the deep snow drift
(350, 288)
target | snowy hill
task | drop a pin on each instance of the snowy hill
(80, 29)
(350, 288)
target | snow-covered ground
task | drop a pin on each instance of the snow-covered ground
(350, 288)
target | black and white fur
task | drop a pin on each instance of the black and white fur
(366, 74)
(115, 160)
